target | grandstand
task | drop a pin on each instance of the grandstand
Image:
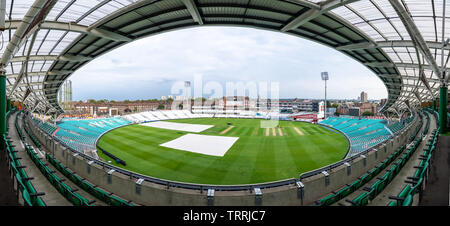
(81, 135)
(388, 163)
(365, 133)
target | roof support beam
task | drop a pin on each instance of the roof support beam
(24, 68)
(394, 76)
(418, 96)
(302, 19)
(53, 82)
(387, 44)
(379, 64)
(358, 46)
(50, 89)
(424, 80)
(332, 4)
(193, 10)
(416, 35)
(391, 76)
(74, 27)
(313, 13)
(74, 58)
(38, 73)
(70, 58)
(108, 35)
(22, 31)
(31, 84)
(59, 72)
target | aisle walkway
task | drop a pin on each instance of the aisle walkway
(437, 192)
(8, 196)
(52, 197)
(408, 170)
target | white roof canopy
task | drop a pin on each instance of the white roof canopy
(401, 41)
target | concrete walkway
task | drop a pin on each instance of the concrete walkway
(438, 184)
(8, 196)
(52, 197)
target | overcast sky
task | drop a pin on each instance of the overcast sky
(149, 67)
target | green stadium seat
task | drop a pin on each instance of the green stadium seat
(408, 200)
(392, 203)
(361, 200)
(328, 200)
(355, 185)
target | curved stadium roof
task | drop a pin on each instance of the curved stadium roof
(45, 41)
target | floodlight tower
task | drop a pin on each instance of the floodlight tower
(325, 78)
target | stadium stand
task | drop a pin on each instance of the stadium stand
(396, 127)
(377, 34)
(81, 134)
(369, 185)
(363, 133)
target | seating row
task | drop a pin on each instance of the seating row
(95, 191)
(358, 183)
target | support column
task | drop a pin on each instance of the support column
(2, 107)
(443, 109)
(8, 105)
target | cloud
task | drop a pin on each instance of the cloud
(148, 67)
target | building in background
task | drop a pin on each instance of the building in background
(65, 95)
(354, 111)
(370, 107)
(92, 108)
(363, 97)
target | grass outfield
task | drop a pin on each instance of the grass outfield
(257, 156)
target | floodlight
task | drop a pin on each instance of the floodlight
(324, 76)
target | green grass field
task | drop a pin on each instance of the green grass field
(258, 156)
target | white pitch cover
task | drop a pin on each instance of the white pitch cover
(202, 144)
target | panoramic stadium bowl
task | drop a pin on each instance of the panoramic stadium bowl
(222, 151)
